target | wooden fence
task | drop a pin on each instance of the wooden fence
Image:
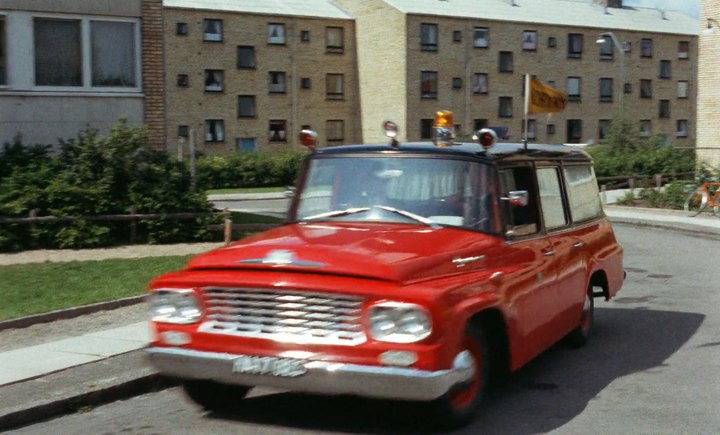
(631, 181)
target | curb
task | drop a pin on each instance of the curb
(75, 403)
(69, 313)
(689, 229)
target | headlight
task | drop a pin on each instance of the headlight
(399, 322)
(174, 306)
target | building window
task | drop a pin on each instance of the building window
(276, 82)
(574, 131)
(3, 50)
(428, 37)
(481, 37)
(278, 130)
(575, 45)
(457, 83)
(479, 124)
(305, 36)
(664, 111)
(480, 83)
(457, 36)
(183, 131)
(683, 50)
(334, 40)
(552, 42)
(603, 125)
(426, 128)
(212, 30)
(181, 29)
(550, 128)
(607, 49)
(305, 83)
(334, 87)
(606, 89)
(428, 84)
(505, 107)
(646, 47)
(245, 57)
(627, 88)
(532, 128)
(682, 128)
(214, 80)
(682, 89)
(183, 81)
(665, 69)
(645, 88)
(335, 131)
(246, 144)
(214, 130)
(276, 34)
(573, 88)
(62, 48)
(246, 106)
(529, 40)
(506, 61)
(645, 127)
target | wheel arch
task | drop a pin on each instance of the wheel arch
(493, 323)
(599, 279)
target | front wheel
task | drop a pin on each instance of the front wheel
(696, 202)
(214, 396)
(581, 334)
(458, 407)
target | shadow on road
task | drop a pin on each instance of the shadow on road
(544, 395)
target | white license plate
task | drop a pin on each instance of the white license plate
(264, 365)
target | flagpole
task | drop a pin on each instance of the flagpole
(527, 108)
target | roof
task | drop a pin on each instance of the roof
(300, 8)
(501, 151)
(575, 13)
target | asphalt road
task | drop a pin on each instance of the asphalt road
(652, 367)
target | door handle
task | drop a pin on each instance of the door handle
(578, 245)
(548, 253)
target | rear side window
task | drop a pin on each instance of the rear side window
(582, 193)
(551, 198)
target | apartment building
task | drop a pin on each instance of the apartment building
(708, 99)
(470, 56)
(249, 75)
(66, 65)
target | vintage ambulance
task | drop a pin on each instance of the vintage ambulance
(408, 271)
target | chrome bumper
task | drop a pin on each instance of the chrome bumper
(321, 377)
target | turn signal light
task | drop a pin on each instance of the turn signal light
(486, 137)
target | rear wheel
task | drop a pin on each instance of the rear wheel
(696, 202)
(214, 396)
(459, 405)
(581, 334)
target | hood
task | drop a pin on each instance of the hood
(392, 252)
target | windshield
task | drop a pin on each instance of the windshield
(418, 190)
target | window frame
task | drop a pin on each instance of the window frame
(643, 93)
(254, 107)
(506, 102)
(642, 130)
(529, 40)
(207, 130)
(282, 74)
(602, 86)
(485, 38)
(86, 55)
(504, 68)
(606, 50)
(282, 38)
(206, 35)
(683, 89)
(271, 132)
(206, 76)
(574, 97)
(426, 128)
(335, 49)
(681, 133)
(558, 183)
(665, 69)
(432, 92)
(664, 109)
(429, 45)
(683, 54)
(252, 52)
(335, 141)
(334, 95)
(646, 48)
(481, 87)
(571, 53)
(181, 28)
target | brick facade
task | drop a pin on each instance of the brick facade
(708, 104)
(153, 72)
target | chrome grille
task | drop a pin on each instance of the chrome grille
(288, 315)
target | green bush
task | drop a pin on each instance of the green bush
(255, 169)
(673, 195)
(95, 175)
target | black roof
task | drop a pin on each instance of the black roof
(499, 152)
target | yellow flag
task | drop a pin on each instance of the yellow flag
(544, 99)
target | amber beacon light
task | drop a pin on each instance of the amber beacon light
(443, 128)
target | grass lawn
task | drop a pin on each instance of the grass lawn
(41, 287)
(246, 190)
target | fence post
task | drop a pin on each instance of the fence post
(133, 225)
(658, 180)
(631, 183)
(227, 229)
(33, 214)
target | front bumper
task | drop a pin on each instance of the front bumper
(321, 377)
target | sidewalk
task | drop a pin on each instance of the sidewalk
(65, 365)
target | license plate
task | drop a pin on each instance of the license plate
(269, 366)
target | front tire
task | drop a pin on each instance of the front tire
(696, 202)
(214, 396)
(458, 407)
(581, 334)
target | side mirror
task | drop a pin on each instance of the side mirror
(289, 191)
(518, 198)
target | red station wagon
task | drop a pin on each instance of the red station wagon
(409, 271)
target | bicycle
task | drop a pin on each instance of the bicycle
(708, 194)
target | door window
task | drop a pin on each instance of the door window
(551, 200)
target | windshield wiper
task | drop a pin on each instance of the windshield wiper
(413, 216)
(336, 213)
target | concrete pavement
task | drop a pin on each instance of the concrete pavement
(27, 374)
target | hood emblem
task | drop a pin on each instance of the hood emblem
(281, 257)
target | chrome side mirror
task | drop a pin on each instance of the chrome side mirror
(518, 198)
